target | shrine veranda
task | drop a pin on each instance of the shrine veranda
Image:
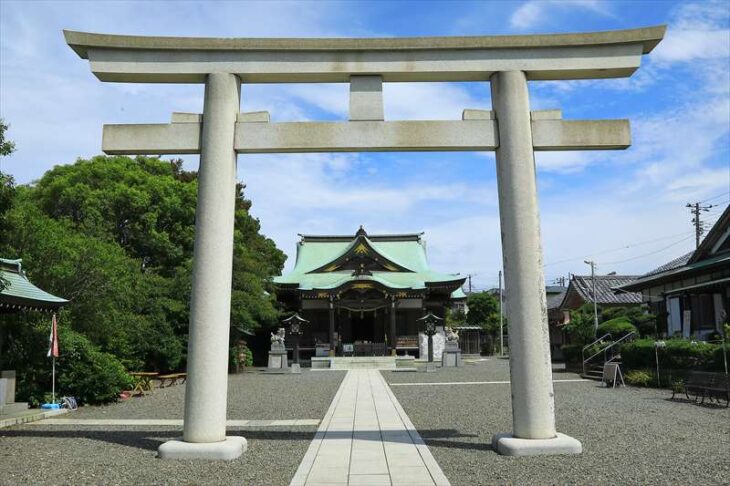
(511, 129)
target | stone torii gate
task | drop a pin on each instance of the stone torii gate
(222, 132)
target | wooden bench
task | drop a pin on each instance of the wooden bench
(172, 379)
(706, 385)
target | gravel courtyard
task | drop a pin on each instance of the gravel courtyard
(61, 454)
(629, 435)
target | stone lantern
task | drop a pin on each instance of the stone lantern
(295, 323)
(430, 321)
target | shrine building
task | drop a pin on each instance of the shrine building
(362, 294)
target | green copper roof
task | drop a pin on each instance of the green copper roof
(407, 251)
(20, 294)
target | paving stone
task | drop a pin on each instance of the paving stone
(366, 439)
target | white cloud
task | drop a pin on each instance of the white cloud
(690, 45)
(536, 12)
(562, 162)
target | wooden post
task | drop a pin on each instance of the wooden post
(393, 342)
(332, 326)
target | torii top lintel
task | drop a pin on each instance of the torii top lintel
(123, 58)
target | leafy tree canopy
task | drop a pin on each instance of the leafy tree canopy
(6, 146)
(115, 235)
(483, 311)
(7, 186)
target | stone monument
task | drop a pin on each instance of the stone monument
(511, 129)
(277, 353)
(451, 355)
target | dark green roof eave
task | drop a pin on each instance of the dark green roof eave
(12, 303)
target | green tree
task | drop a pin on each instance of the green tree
(455, 317)
(147, 207)
(115, 236)
(484, 312)
(7, 147)
(581, 327)
(7, 189)
(644, 322)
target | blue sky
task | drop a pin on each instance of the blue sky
(625, 209)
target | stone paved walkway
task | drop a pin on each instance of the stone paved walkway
(367, 439)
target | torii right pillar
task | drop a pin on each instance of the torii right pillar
(533, 405)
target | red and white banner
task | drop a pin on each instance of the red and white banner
(53, 339)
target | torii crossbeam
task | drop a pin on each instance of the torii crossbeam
(510, 128)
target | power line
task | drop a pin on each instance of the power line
(649, 254)
(715, 197)
(603, 252)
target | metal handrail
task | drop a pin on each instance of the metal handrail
(583, 351)
(608, 334)
(614, 343)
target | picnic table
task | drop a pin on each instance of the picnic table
(143, 381)
(172, 379)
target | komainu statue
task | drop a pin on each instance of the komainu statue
(278, 338)
(451, 335)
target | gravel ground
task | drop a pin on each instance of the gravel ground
(252, 395)
(34, 454)
(629, 435)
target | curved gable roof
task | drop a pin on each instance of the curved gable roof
(407, 251)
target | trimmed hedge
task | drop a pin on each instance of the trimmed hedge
(617, 328)
(678, 354)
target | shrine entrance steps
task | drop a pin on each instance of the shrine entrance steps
(363, 363)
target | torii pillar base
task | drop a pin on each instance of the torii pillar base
(225, 450)
(509, 445)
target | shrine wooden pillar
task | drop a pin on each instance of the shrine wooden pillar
(391, 335)
(332, 327)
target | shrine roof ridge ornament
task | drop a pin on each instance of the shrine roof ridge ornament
(125, 58)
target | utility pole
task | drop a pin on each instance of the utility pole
(469, 283)
(501, 333)
(593, 292)
(696, 209)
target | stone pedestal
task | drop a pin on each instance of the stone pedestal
(438, 344)
(9, 375)
(451, 356)
(296, 369)
(509, 445)
(226, 450)
(277, 357)
(3, 392)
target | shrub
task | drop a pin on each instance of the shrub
(639, 377)
(617, 328)
(240, 356)
(571, 352)
(88, 374)
(678, 354)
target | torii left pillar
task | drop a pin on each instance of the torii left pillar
(204, 429)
